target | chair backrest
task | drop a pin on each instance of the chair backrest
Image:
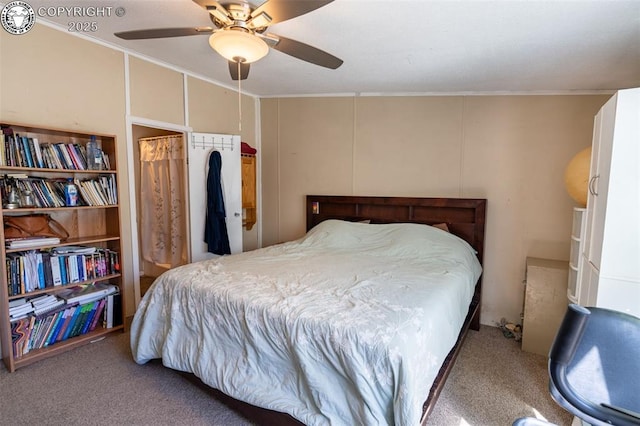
(594, 366)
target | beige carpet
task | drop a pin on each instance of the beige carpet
(493, 383)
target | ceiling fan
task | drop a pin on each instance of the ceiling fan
(240, 33)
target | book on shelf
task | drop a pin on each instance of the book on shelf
(55, 327)
(31, 324)
(12, 266)
(78, 159)
(20, 311)
(105, 161)
(86, 293)
(69, 313)
(72, 269)
(56, 273)
(78, 325)
(108, 312)
(62, 261)
(49, 308)
(16, 175)
(62, 153)
(17, 302)
(43, 300)
(45, 325)
(39, 159)
(87, 322)
(19, 151)
(64, 315)
(49, 157)
(74, 318)
(96, 318)
(74, 250)
(19, 336)
(3, 161)
(30, 271)
(47, 269)
(28, 159)
(117, 309)
(113, 311)
(40, 270)
(32, 242)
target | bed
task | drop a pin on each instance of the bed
(357, 322)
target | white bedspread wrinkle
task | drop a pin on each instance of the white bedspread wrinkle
(348, 325)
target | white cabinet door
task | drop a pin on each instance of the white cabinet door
(599, 180)
(620, 258)
(610, 266)
(200, 146)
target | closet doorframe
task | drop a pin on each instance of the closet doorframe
(132, 144)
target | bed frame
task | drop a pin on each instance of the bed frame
(464, 217)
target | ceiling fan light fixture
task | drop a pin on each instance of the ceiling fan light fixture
(238, 45)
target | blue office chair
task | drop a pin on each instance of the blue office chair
(594, 367)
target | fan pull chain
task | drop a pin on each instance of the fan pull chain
(239, 99)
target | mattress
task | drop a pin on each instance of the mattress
(346, 325)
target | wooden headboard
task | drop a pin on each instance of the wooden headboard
(465, 217)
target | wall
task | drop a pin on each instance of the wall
(51, 78)
(511, 150)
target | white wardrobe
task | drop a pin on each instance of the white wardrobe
(610, 260)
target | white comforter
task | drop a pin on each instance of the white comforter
(348, 325)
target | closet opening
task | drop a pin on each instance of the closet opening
(161, 201)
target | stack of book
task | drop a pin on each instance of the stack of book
(45, 304)
(24, 243)
(19, 308)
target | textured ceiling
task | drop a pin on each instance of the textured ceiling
(408, 47)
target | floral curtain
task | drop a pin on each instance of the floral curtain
(163, 211)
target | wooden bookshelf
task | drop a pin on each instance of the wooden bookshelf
(87, 225)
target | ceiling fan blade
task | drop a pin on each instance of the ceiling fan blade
(163, 32)
(233, 70)
(281, 10)
(303, 51)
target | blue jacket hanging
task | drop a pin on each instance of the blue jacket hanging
(215, 227)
